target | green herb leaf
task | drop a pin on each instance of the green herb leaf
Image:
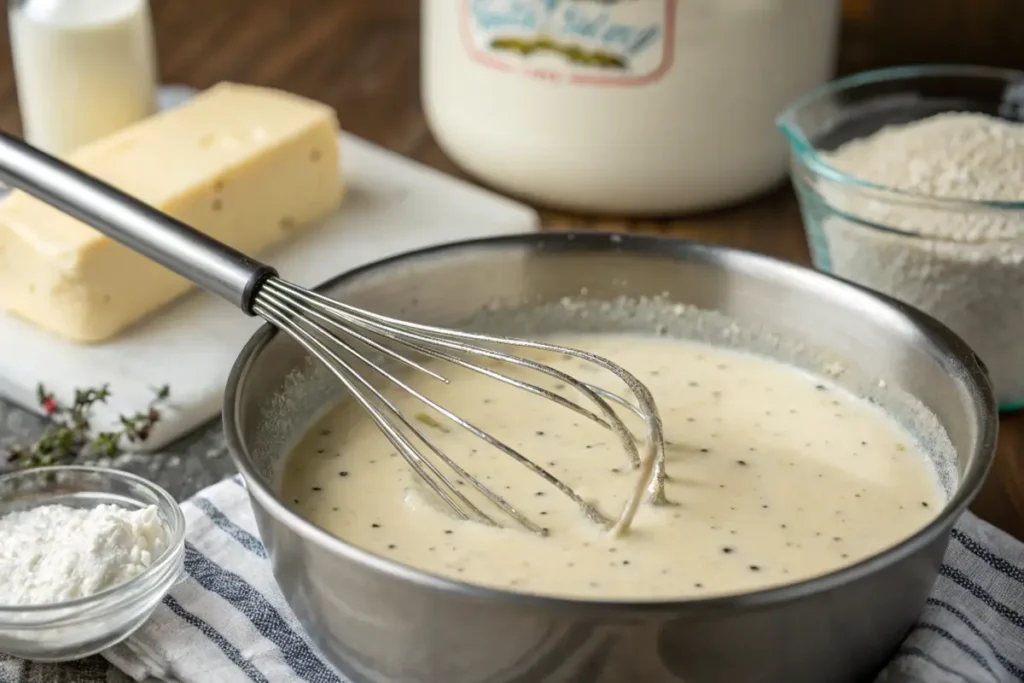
(67, 436)
(431, 422)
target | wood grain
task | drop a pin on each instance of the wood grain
(362, 57)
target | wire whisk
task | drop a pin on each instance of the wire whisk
(349, 340)
(315, 322)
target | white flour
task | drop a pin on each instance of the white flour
(55, 553)
(963, 264)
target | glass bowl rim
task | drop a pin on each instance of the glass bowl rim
(113, 598)
(807, 154)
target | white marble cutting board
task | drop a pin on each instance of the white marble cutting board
(393, 205)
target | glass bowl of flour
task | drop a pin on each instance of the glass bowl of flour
(86, 555)
(911, 183)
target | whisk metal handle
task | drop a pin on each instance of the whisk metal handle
(212, 265)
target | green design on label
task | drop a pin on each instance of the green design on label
(572, 52)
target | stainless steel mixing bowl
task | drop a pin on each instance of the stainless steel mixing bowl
(381, 622)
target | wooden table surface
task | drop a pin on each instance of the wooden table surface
(362, 57)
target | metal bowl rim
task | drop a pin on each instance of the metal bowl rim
(956, 350)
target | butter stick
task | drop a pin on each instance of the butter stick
(247, 165)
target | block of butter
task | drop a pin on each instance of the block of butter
(244, 164)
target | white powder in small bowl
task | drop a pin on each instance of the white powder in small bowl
(962, 263)
(54, 553)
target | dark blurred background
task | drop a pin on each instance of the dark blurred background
(886, 32)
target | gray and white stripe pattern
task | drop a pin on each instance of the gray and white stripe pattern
(972, 629)
(227, 622)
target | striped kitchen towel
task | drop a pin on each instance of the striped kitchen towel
(228, 623)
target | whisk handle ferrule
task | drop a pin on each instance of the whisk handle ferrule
(212, 265)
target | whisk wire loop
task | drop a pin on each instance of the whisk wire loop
(325, 327)
(393, 329)
(279, 308)
(350, 379)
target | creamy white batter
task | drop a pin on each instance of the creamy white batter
(776, 475)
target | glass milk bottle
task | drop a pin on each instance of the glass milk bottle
(84, 68)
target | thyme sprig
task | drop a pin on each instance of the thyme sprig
(68, 435)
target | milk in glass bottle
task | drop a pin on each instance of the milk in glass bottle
(84, 68)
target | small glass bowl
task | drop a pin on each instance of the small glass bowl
(849, 223)
(84, 626)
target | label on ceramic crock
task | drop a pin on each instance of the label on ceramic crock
(597, 42)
